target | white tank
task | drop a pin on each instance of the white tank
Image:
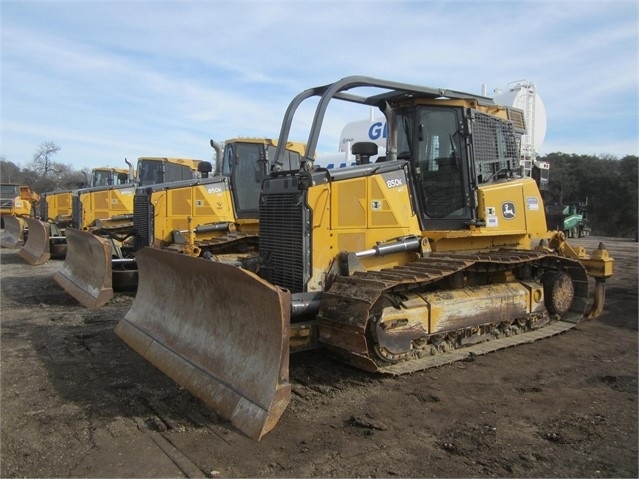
(523, 95)
(372, 129)
(364, 130)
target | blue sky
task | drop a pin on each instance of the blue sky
(108, 80)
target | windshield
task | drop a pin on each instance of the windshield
(434, 148)
(227, 160)
(153, 172)
(404, 128)
(149, 172)
(102, 178)
(9, 191)
(248, 173)
(108, 177)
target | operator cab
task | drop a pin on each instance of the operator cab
(449, 162)
(247, 163)
(152, 171)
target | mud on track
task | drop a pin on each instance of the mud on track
(75, 401)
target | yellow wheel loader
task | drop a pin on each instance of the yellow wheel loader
(210, 217)
(435, 252)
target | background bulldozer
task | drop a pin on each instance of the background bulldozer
(16, 204)
(56, 206)
(210, 217)
(104, 207)
(437, 251)
(55, 209)
(107, 212)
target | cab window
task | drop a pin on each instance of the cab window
(247, 174)
(434, 146)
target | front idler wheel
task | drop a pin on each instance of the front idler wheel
(559, 292)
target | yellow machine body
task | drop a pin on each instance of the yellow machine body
(107, 205)
(227, 204)
(57, 207)
(189, 207)
(112, 205)
(17, 200)
(359, 213)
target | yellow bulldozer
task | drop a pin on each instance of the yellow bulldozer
(436, 251)
(55, 208)
(17, 202)
(212, 217)
(104, 207)
(107, 212)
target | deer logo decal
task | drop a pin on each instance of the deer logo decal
(508, 210)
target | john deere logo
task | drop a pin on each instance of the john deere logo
(508, 210)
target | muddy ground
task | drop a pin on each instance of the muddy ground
(77, 402)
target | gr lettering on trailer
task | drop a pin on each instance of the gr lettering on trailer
(377, 130)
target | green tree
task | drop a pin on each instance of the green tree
(607, 184)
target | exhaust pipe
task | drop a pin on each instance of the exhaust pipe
(131, 171)
(218, 156)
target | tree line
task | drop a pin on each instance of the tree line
(607, 184)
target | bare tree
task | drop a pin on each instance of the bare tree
(42, 162)
(69, 178)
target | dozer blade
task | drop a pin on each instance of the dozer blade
(86, 271)
(13, 236)
(36, 249)
(219, 331)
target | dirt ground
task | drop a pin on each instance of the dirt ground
(77, 402)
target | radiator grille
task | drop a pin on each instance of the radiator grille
(284, 240)
(142, 220)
